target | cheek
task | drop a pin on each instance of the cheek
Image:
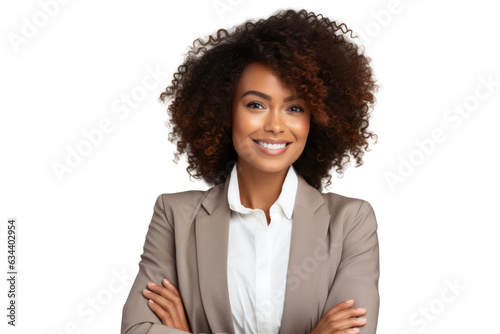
(238, 125)
(239, 129)
(300, 129)
(244, 124)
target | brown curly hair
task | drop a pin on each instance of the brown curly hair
(309, 53)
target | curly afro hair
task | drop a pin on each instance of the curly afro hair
(309, 53)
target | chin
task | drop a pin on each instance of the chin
(270, 166)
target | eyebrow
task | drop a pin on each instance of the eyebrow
(265, 96)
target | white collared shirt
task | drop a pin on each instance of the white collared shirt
(257, 261)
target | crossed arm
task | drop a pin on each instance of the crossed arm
(358, 271)
(157, 262)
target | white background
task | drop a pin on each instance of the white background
(438, 225)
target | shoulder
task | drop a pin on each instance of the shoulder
(183, 203)
(182, 197)
(345, 207)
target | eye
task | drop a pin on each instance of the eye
(297, 106)
(253, 103)
(256, 103)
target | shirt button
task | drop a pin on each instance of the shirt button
(262, 265)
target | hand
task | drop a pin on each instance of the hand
(340, 319)
(166, 302)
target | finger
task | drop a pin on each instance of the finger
(347, 313)
(179, 304)
(150, 294)
(169, 301)
(167, 305)
(347, 331)
(167, 292)
(347, 323)
(340, 306)
(170, 287)
(157, 298)
(166, 319)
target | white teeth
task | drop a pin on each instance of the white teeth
(271, 146)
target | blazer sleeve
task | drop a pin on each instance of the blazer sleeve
(157, 262)
(358, 272)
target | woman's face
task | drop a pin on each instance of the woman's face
(265, 110)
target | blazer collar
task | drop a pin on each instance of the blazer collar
(285, 200)
(309, 229)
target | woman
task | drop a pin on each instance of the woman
(263, 114)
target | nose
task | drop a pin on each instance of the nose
(274, 122)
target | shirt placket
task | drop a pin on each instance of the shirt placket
(263, 279)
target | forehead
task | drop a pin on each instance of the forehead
(259, 76)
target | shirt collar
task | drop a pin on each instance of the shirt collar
(286, 198)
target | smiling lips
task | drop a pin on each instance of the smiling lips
(279, 147)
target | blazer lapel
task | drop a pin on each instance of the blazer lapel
(309, 230)
(212, 231)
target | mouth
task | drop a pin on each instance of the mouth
(270, 146)
(271, 150)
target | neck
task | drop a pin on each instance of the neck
(259, 189)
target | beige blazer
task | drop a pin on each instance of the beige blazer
(334, 256)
